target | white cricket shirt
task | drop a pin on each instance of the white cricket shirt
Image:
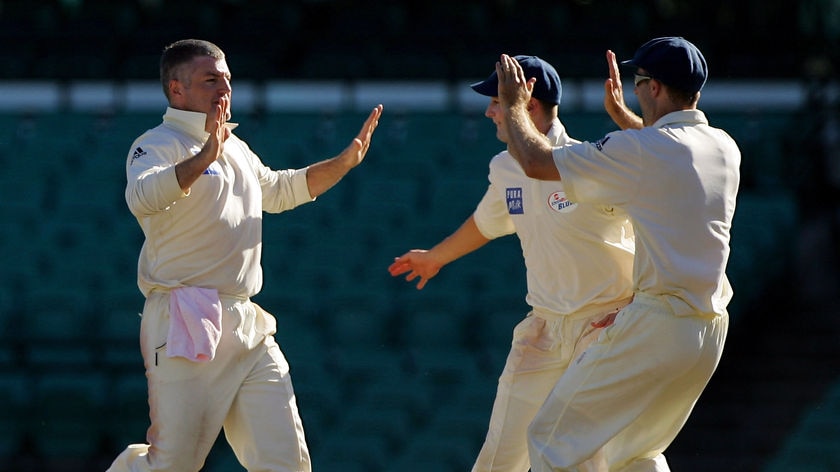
(576, 254)
(678, 181)
(211, 238)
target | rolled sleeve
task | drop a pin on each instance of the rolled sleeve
(153, 191)
(284, 189)
(152, 185)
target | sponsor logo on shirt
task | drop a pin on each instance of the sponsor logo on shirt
(513, 195)
(137, 154)
(558, 202)
(210, 171)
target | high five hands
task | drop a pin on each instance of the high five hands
(515, 89)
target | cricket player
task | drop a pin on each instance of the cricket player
(623, 401)
(199, 193)
(578, 260)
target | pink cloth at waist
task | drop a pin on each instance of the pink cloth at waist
(195, 323)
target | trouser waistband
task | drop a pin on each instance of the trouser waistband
(225, 298)
(677, 306)
(585, 312)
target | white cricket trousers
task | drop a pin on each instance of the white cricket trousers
(619, 405)
(245, 389)
(544, 343)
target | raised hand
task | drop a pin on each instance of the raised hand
(613, 91)
(189, 170)
(218, 129)
(614, 97)
(355, 152)
(514, 87)
(321, 176)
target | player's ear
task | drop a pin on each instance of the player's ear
(175, 87)
(532, 104)
(656, 87)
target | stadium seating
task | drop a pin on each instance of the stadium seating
(812, 445)
(54, 329)
(387, 377)
(15, 393)
(764, 223)
(118, 329)
(69, 409)
(418, 368)
(127, 410)
(766, 165)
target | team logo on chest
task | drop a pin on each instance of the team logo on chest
(558, 202)
(513, 195)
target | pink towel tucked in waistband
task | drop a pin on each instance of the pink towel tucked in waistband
(195, 323)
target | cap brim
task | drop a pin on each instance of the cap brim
(629, 63)
(488, 87)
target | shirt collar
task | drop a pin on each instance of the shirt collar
(682, 116)
(190, 122)
(557, 131)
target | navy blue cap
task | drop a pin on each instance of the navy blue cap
(547, 88)
(673, 61)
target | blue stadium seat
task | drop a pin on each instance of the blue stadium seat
(56, 329)
(118, 320)
(762, 228)
(76, 251)
(360, 450)
(315, 385)
(358, 315)
(222, 458)
(67, 420)
(358, 338)
(812, 445)
(395, 201)
(764, 164)
(128, 409)
(435, 449)
(392, 426)
(15, 395)
(407, 393)
(495, 327)
(337, 308)
(454, 198)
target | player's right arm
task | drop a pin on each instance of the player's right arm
(160, 168)
(152, 185)
(189, 170)
(525, 142)
(426, 264)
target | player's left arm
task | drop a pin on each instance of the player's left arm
(614, 98)
(525, 143)
(322, 175)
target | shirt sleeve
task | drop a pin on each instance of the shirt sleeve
(152, 185)
(281, 189)
(606, 172)
(491, 216)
